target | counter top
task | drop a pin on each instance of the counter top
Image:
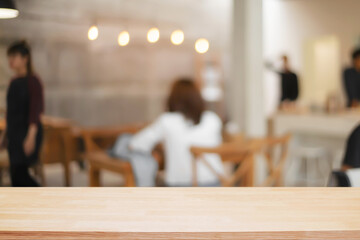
(179, 213)
(338, 125)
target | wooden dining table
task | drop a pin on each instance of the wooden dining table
(180, 213)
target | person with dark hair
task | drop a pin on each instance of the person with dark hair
(185, 124)
(25, 104)
(352, 153)
(351, 77)
(289, 83)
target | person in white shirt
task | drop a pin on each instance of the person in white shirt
(184, 125)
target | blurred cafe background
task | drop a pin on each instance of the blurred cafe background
(281, 75)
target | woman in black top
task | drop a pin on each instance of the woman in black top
(25, 104)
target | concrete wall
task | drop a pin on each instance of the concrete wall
(105, 86)
(100, 83)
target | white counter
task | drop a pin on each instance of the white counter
(314, 130)
(327, 125)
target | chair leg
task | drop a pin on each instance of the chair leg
(41, 173)
(94, 176)
(1, 176)
(194, 172)
(240, 174)
(249, 176)
(269, 180)
(129, 179)
(279, 179)
(67, 158)
(67, 173)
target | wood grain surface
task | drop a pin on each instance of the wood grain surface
(180, 213)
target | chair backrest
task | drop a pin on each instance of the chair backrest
(275, 165)
(54, 149)
(243, 152)
(271, 144)
(235, 152)
(224, 150)
(227, 137)
(97, 139)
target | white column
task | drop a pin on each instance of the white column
(246, 87)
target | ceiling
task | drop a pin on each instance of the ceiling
(64, 18)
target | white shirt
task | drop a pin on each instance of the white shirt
(178, 135)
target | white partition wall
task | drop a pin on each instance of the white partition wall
(246, 87)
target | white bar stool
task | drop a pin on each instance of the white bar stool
(317, 165)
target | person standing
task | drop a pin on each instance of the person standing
(351, 79)
(289, 83)
(25, 104)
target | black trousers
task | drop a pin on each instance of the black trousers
(20, 177)
(20, 163)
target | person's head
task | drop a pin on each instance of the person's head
(185, 98)
(285, 61)
(19, 56)
(356, 58)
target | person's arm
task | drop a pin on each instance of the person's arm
(270, 66)
(29, 142)
(149, 137)
(35, 111)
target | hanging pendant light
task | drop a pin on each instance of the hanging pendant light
(202, 45)
(153, 35)
(8, 9)
(123, 38)
(93, 33)
(177, 37)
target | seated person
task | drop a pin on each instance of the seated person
(352, 154)
(351, 79)
(185, 124)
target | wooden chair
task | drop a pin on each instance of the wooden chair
(59, 146)
(241, 153)
(275, 167)
(96, 141)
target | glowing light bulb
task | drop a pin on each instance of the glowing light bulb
(124, 38)
(93, 33)
(202, 45)
(8, 13)
(153, 35)
(177, 37)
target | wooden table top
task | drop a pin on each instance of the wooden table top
(180, 213)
